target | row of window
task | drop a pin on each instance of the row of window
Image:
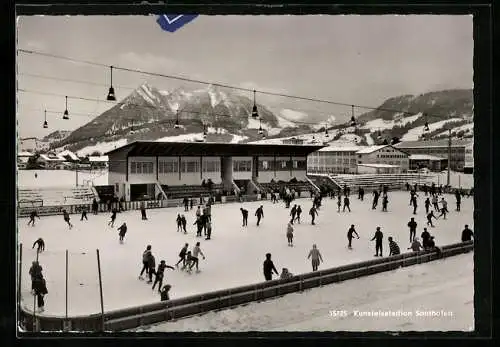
(141, 167)
(265, 165)
(242, 165)
(390, 156)
(166, 167)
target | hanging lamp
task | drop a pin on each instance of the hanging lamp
(255, 114)
(66, 113)
(111, 93)
(45, 124)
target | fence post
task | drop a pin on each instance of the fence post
(19, 280)
(100, 289)
(66, 310)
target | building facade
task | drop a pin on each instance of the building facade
(439, 148)
(469, 158)
(345, 160)
(149, 164)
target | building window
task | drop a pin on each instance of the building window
(141, 167)
(170, 166)
(242, 165)
(211, 166)
(296, 164)
(190, 166)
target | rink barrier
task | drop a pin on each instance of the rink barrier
(134, 317)
(24, 211)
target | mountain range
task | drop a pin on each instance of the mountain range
(150, 114)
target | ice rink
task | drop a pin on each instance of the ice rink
(234, 255)
(406, 297)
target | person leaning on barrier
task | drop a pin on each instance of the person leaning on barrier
(164, 293)
(467, 234)
(393, 247)
(285, 274)
(416, 246)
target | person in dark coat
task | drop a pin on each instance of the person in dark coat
(268, 268)
(209, 230)
(429, 218)
(385, 201)
(244, 214)
(33, 215)
(293, 213)
(95, 206)
(376, 195)
(40, 243)
(84, 213)
(313, 213)
(186, 204)
(393, 247)
(145, 258)
(413, 228)
(164, 293)
(378, 241)
(40, 290)
(426, 236)
(427, 205)
(182, 255)
(467, 234)
(346, 204)
(151, 268)
(350, 235)
(179, 222)
(122, 230)
(160, 273)
(35, 272)
(67, 218)
(259, 213)
(113, 218)
(184, 222)
(199, 226)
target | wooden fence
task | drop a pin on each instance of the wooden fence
(134, 317)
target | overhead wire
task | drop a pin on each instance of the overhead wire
(223, 85)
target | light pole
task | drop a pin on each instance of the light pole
(449, 157)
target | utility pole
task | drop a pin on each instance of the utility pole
(449, 157)
(76, 174)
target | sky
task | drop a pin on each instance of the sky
(360, 60)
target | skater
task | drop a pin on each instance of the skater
(40, 243)
(414, 203)
(35, 272)
(427, 205)
(467, 234)
(199, 226)
(285, 274)
(260, 214)
(425, 238)
(362, 193)
(316, 257)
(84, 213)
(339, 202)
(67, 219)
(186, 204)
(376, 195)
(268, 268)
(393, 247)
(189, 260)
(350, 233)
(191, 204)
(145, 260)
(444, 208)
(429, 218)
(194, 257)
(151, 267)
(198, 212)
(122, 230)
(179, 222)
(435, 203)
(184, 222)
(416, 246)
(182, 256)
(289, 234)
(143, 211)
(299, 212)
(385, 201)
(95, 206)
(113, 218)
(407, 186)
(425, 189)
(244, 214)
(293, 212)
(40, 290)
(160, 274)
(459, 199)
(346, 204)
(378, 241)
(164, 293)
(33, 215)
(413, 228)
(209, 229)
(313, 213)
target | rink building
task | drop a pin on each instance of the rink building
(143, 169)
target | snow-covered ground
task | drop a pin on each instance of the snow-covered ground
(102, 147)
(469, 128)
(381, 124)
(242, 248)
(369, 140)
(59, 178)
(414, 133)
(406, 296)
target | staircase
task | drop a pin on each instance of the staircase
(56, 196)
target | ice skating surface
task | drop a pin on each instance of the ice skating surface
(234, 254)
(408, 294)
